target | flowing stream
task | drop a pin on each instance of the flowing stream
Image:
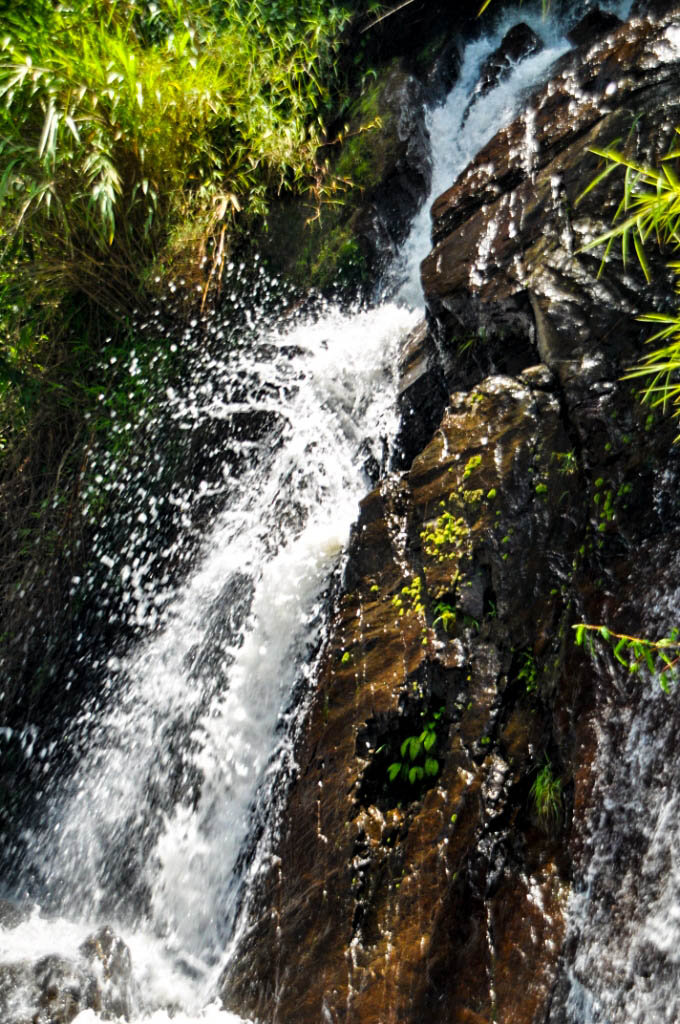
(173, 802)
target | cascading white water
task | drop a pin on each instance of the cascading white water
(157, 827)
(330, 384)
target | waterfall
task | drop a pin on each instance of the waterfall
(172, 804)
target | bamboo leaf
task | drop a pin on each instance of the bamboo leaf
(621, 646)
(641, 257)
(47, 130)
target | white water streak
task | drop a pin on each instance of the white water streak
(454, 144)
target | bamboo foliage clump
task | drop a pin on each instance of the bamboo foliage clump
(119, 120)
(648, 213)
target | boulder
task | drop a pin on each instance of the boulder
(56, 988)
(11, 914)
(595, 23)
(109, 958)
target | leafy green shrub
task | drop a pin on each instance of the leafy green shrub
(416, 762)
(133, 135)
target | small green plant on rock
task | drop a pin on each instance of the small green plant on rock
(546, 793)
(471, 465)
(566, 462)
(416, 762)
(528, 672)
(410, 597)
(446, 616)
(444, 540)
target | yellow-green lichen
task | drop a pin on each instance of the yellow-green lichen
(471, 465)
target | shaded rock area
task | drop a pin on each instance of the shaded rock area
(55, 989)
(529, 485)
(381, 163)
(595, 23)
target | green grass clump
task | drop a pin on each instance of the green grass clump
(546, 793)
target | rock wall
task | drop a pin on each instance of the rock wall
(530, 491)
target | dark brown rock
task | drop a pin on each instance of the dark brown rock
(595, 23)
(518, 44)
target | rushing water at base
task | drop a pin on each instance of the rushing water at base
(172, 804)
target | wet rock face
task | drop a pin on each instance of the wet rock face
(596, 23)
(55, 989)
(413, 882)
(528, 485)
(399, 167)
(512, 226)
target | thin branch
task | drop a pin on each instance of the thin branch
(388, 14)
